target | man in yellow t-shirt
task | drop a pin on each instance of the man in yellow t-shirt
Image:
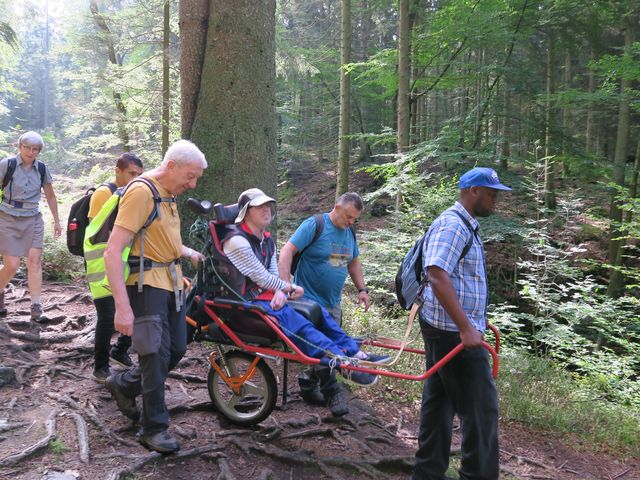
(127, 168)
(152, 310)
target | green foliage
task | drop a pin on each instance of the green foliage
(57, 446)
(536, 391)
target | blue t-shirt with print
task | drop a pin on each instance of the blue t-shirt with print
(322, 269)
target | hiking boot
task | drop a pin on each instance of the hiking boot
(101, 374)
(3, 309)
(310, 388)
(162, 442)
(360, 378)
(36, 313)
(338, 404)
(313, 396)
(120, 357)
(125, 404)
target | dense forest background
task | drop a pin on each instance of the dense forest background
(408, 94)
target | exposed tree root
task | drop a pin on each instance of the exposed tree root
(91, 416)
(7, 427)
(142, 461)
(225, 470)
(369, 467)
(41, 444)
(83, 437)
(187, 377)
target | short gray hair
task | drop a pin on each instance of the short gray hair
(183, 152)
(350, 198)
(31, 139)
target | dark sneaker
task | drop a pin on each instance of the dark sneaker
(3, 309)
(101, 374)
(338, 404)
(162, 442)
(373, 358)
(125, 404)
(360, 378)
(120, 357)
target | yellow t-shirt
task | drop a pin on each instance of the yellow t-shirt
(162, 243)
(98, 199)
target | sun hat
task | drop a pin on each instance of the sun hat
(253, 197)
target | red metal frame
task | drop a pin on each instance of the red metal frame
(297, 355)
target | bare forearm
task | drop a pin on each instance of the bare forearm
(355, 272)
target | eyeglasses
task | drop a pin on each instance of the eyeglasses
(31, 149)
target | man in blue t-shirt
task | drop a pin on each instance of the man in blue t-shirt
(322, 270)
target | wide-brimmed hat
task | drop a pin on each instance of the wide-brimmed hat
(254, 197)
(481, 177)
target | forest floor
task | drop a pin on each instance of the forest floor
(56, 422)
(54, 392)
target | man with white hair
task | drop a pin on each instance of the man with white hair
(150, 302)
(21, 224)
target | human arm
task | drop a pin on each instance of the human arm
(242, 257)
(120, 237)
(191, 254)
(446, 294)
(52, 201)
(355, 272)
(286, 259)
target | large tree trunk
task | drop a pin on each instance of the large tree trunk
(235, 119)
(194, 18)
(342, 184)
(619, 163)
(166, 97)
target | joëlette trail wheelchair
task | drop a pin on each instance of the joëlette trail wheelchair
(241, 384)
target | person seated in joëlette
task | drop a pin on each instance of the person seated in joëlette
(252, 251)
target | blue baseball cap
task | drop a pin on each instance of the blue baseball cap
(481, 177)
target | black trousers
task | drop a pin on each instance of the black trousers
(160, 339)
(464, 386)
(105, 310)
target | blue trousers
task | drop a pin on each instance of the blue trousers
(313, 341)
(463, 386)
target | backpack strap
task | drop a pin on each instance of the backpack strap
(11, 167)
(42, 169)
(144, 262)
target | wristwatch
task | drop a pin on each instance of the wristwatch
(365, 290)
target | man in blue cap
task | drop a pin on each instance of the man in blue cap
(454, 311)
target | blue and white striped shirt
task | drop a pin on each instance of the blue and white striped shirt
(445, 241)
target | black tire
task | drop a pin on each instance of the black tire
(257, 397)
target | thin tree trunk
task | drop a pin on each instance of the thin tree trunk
(102, 25)
(549, 183)
(589, 133)
(633, 185)
(403, 85)
(166, 96)
(619, 164)
(45, 80)
(342, 184)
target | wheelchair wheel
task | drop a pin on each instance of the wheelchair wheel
(256, 397)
